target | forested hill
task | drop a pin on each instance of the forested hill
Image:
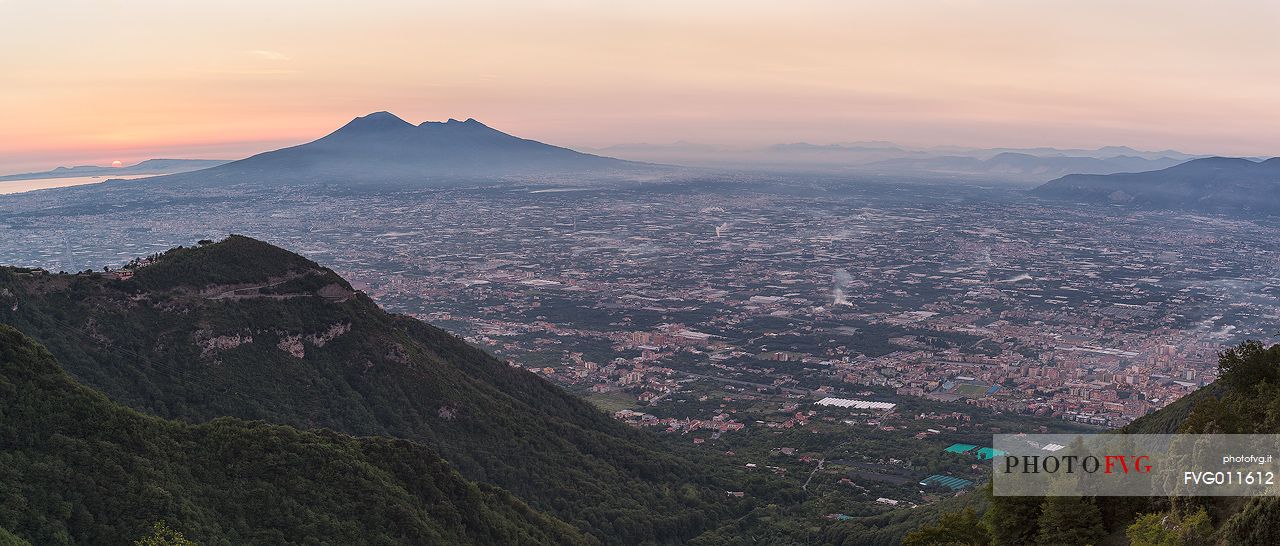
(1170, 419)
(76, 468)
(243, 329)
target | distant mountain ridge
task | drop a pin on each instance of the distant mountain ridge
(1103, 152)
(1036, 165)
(1023, 165)
(382, 148)
(1215, 184)
(150, 166)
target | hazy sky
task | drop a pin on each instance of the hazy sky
(96, 80)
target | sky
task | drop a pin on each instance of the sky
(92, 81)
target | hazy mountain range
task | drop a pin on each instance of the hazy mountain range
(638, 148)
(1216, 184)
(150, 166)
(879, 157)
(382, 149)
(1021, 166)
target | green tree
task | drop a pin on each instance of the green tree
(1257, 523)
(163, 535)
(963, 527)
(1011, 520)
(1196, 528)
(1069, 520)
(1150, 530)
(8, 539)
(1249, 365)
(1168, 529)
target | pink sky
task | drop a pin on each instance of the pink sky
(99, 80)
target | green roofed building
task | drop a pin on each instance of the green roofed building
(988, 453)
(983, 453)
(951, 482)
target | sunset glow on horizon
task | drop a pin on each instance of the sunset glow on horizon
(89, 82)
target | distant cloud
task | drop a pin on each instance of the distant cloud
(268, 55)
(242, 72)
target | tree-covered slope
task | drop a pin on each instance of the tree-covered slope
(244, 329)
(8, 539)
(1171, 418)
(76, 468)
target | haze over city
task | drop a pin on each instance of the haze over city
(568, 272)
(88, 82)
